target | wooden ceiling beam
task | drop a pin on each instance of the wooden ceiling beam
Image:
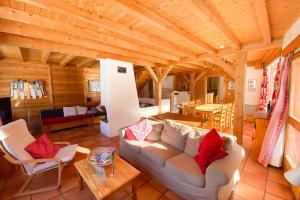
(105, 23)
(45, 56)
(84, 62)
(273, 55)
(19, 54)
(45, 34)
(33, 43)
(229, 51)
(48, 23)
(199, 76)
(198, 6)
(142, 12)
(166, 72)
(261, 10)
(228, 69)
(152, 74)
(66, 60)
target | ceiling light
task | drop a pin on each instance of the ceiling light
(221, 46)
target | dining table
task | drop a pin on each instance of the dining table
(209, 110)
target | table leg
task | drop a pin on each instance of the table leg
(134, 189)
(80, 182)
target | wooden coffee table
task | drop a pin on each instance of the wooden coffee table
(124, 173)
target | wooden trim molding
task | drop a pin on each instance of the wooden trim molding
(292, 46)
(294, 123)
(296, 55)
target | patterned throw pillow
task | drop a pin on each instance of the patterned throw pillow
(141, 129)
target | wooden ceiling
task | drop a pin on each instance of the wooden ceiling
(195, 35)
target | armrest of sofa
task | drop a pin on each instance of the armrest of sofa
(122, 133)
(221, 171)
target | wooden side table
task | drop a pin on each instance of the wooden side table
(261, 122)
(124, 173)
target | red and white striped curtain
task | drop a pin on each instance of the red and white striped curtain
(263, 98)
(276, 85)
(271, 150)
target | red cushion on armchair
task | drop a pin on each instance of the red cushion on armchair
(42, 148)
(210, 149)
(129, 135)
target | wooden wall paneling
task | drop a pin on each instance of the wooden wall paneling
(91, 74)
(68, 86)
(12, 70)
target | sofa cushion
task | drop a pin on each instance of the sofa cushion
(159, 152)
(141, 129)
(193, 140)
(210, 149)
(136, 145)
(155, 134)
(184, 168)
(129, 135)
(54, 120)
(195, 137)
(175, 134)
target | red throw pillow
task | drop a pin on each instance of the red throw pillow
(42, 148)
(129, 135)
(210, 149)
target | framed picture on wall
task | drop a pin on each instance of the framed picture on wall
(252, 85)
(94, 86)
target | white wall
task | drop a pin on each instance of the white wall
(251, 98)
(291, 34)
(168, 82)
(119, 95)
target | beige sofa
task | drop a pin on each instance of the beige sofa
(168, 157)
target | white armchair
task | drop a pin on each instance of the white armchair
(16, 138)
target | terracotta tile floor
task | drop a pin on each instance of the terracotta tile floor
(257, 183)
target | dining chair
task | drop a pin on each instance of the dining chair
(228, 115)
(198, 102)
(219, 120)
(17, 137)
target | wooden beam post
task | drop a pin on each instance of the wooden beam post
(199, 76)
(151, 73)
(192, 85)
(19, 53)
(45, 56)
(50, 85)
(166, 72)
(84, 62)
(241, 62)
(158, 78)
(66, 60)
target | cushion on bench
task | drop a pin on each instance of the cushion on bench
(52, 113)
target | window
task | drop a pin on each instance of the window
(292, 150)
(295, 90)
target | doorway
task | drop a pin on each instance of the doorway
(215, 85)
